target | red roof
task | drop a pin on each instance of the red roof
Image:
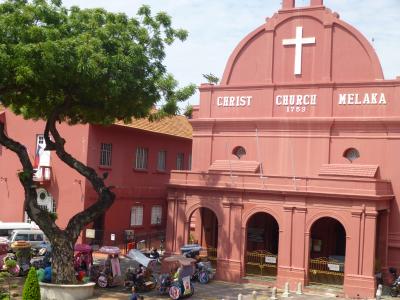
(246, 166)
(349, 170)
(176, 126)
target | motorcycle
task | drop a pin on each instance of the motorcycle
(395, 286)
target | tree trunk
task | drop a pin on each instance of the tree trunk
(62, 261)
(62, 241)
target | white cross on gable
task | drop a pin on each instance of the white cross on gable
(299, 41)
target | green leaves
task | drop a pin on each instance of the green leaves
(104, 65)
(31, 289)
(24, 175)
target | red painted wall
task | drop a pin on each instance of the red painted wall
(72, 193)
(134, 187)
(63, 187)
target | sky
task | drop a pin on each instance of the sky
(216, 27)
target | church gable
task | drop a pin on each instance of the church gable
(302, 45)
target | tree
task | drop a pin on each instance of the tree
(211, 78)
(80, 66)
(31, 289)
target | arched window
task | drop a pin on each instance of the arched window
(351, 154)
(239, 152)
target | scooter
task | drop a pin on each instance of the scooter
(395, 287)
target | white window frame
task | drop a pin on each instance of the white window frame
(137, 215)
(190, 161)
(180, 161)
(141, 158)
(105, 154)
(156, 215)
(162, 160)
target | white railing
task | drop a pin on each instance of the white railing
(42, 174)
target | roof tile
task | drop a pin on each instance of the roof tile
(349, 170)
(246, 166)
(176, 126)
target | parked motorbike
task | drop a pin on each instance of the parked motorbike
(395, 287)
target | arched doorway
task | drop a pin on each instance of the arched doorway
(327, 251)
(203, 230)
(262, 245)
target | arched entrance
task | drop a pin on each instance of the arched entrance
(262, 245)
(327, 251)
(203, 230)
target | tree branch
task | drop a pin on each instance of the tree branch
(105, 196)
(39, 216)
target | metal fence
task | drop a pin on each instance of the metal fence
(210, 254)
(261, 263)
(327, 271)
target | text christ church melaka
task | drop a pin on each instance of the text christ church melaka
(295, 159)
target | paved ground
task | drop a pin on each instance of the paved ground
(218, 290)
(215, 290)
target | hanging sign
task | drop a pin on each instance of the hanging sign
(270, 259)
(90, 233)
(334, 267)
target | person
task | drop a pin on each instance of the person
(47, 274)
(140, 272)
(107, 264)
(177, 274)
(154, 254)
(83, 265)
(134, 295)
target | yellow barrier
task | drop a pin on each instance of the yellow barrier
(210, 254)
(328, 271)
(261, 263)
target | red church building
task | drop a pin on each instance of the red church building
(137, 158)
(295, 159)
